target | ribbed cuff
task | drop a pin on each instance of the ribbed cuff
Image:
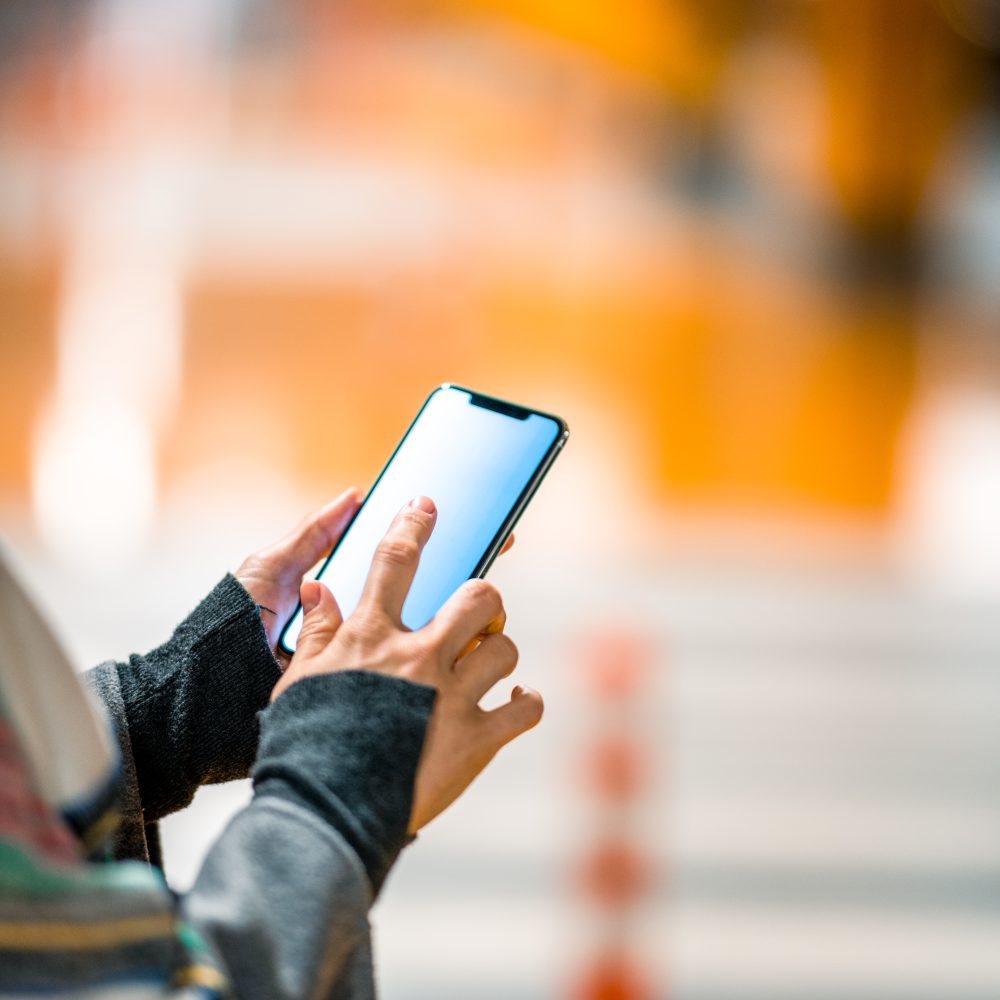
(192, 703)
(347, 745)
(233, 675)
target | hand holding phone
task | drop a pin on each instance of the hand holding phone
(481, 459)
(462, 737)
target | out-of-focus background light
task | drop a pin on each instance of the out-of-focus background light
(750, 251)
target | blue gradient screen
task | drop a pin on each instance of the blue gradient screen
(474, 463)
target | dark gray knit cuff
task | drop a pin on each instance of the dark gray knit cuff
(233, 674)
(347, 745)
(192, 704)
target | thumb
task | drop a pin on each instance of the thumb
(315, 536)
(321, 617)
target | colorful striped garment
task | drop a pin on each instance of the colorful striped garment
(73, 922)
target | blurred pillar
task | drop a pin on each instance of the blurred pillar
(711, 29)
(896, 84)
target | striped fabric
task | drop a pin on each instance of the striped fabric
(74, 923)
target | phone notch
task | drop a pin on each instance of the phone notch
(499, 406)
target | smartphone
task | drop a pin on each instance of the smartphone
(480, 460)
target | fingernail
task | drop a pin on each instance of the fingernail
(423, 503)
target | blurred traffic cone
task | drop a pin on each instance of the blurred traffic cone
(614, 976)
(615, 872)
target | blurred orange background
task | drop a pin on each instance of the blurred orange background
(748, 250)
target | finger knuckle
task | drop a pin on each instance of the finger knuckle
(314, 633)
(315, 534)
(366, 626)
(253, 565)
(535, 713)
(483, 592)
(419, 661)
(420, 649)
(417, 519)
(398, 551)
(507, 650)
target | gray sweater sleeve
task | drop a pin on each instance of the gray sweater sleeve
(283, 895)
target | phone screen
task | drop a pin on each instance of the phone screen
(479, 460)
